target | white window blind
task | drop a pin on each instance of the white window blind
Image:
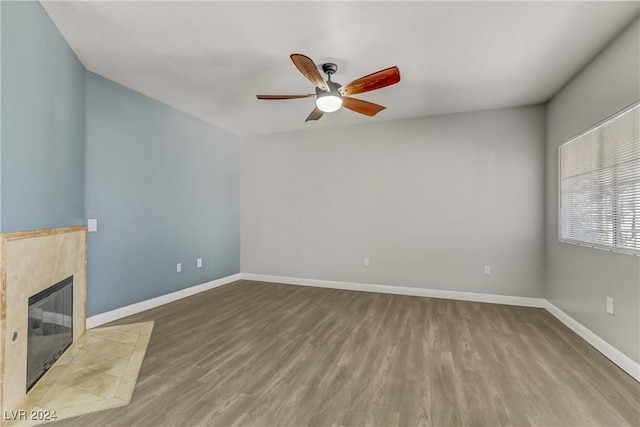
(600, 185)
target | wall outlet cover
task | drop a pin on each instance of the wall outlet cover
(610, 305)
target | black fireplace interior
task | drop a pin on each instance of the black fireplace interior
(50, 328)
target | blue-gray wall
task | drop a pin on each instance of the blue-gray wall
(42, 135)
(165, 188)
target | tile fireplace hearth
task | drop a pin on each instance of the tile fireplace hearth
(99, 371)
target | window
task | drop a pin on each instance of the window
(600, 185)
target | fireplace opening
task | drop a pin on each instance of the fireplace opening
(50, 328)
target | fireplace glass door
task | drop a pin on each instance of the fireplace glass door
(50, 328)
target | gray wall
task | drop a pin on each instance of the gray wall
(42, 134)
(580, 278)
(430, 201)
(165, 188)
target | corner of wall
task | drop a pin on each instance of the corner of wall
(579, 278)
(545, 221)
(42, 112)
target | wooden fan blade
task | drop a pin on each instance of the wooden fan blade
(377, 80)
(311, 95)
(315, 114)
(363, 107)
(310, 70)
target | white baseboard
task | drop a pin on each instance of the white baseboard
(623, 361)
(401, 290)
(119, 313)
(616, 356)
(609, 351)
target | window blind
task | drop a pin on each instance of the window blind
(600, 185)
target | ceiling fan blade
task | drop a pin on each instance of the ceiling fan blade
(310, 70)
(363, 107)
(315, 114)
(377, 80)
(311, 95)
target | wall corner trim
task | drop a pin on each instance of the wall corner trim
(129, 310)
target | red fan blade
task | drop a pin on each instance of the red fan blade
(377, 80)
(363, 107)
(315, 114)
(310, 70)
(311, 95)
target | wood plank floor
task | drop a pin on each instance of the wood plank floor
(255, 354)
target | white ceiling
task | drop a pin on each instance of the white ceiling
(210, 59)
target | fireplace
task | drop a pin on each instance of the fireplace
(49, 328)
(30, 262)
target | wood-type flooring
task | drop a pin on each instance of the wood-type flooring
(263, 354)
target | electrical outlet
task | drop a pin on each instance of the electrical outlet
(610, 305)
(487, 269)
(179, 267)
(365, 262)
(199, 263)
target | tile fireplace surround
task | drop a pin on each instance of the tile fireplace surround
(31, 261)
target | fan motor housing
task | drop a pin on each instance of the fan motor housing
(334, 89)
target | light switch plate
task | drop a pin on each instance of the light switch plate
(92, 225)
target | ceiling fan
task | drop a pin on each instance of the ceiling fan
(330, 96)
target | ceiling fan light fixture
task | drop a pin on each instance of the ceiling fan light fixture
(328, 102)
(331, 96)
